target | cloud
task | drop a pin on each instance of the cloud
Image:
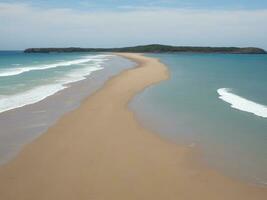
(23, 25)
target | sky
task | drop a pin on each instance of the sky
(116, 23)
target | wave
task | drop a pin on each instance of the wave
(241, 103)
(20, 70)
(29, 97)
(41, 92)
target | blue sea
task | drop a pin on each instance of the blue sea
(29, 78)
(37, 89)
(215, 103)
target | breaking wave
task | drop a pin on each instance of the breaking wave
(241, 103)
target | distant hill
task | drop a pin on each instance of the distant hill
(154, 48)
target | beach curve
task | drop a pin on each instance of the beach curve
(100, 151)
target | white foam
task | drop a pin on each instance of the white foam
(20, 70)
(241, 103)
(80, 74)
(28, 97)
(41, 92)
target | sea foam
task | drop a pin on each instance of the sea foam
(241, 103)
(29, 97)
(20, 70)
(41, 92)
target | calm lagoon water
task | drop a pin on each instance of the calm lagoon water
(217, 103)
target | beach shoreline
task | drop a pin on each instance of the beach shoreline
(100, 151)
(43, 114)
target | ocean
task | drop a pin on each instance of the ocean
(29, 78)
(37, 89)
(215, 103)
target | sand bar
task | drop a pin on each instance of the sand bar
(100, 151)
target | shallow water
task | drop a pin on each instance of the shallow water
(187, 108)
(29, 78)
(22, 125)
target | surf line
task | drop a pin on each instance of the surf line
(241, 103)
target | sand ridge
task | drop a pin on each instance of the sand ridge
(100, 151)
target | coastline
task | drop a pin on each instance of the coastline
(100, 151)
(42, 114)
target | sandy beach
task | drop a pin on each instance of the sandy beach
(100, 151)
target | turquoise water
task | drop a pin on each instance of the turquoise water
(29, 78)
(44, 87)
(192, 108)
(230, 131)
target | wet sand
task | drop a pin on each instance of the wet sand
(45, 113)
(100, 151)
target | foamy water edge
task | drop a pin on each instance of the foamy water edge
(241, 103)
(41, 92)
(20, 70)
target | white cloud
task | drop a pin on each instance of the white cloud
(25, 26)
